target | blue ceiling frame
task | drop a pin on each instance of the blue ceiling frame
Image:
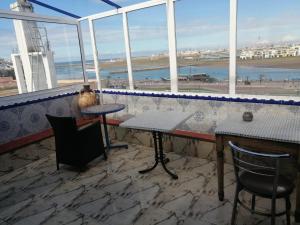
(54, 8)
(111, 3)
(68, 13)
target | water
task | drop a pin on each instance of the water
(74, 71)
(254, 73)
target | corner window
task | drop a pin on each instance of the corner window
(268, 38)
(37, 56)
(202, 31)
(149, 48)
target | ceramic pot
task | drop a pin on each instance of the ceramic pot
(87, 97)
(248, 116)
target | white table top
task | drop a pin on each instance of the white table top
(157, 121)
(267, 127)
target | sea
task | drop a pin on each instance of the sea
(74, 71)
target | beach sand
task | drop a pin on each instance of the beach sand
(163, 62)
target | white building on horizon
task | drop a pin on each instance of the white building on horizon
(273, 52)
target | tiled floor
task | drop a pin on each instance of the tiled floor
(112, 192)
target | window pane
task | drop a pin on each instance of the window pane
(111, 50)
(8, 45)
(149, 48)
(37, 56)
(202, 30)
(63, 41)
(268, 47)
(88, 52)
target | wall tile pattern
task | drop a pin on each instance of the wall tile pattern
(28, 119)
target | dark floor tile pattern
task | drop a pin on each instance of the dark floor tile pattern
(112, 192)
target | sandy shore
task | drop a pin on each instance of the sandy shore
(161, 62)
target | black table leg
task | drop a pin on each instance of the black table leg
(108, 145)
(164, 160)
(159, 155)
(156, 155)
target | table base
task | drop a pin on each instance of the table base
(108, 145)
(117, 146)
(159, 155)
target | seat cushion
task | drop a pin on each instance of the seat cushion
(263, 185)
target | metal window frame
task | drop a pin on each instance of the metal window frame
(4, 14)
(232, 46)
(36, 17)
(124, 11)
(170, 7)
(128, 50)
(171, 40)
(233, 10)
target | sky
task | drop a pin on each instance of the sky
(200, 24)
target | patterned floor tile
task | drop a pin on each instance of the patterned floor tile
(113, 192)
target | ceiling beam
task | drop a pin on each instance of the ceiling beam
(54, 8)
(111, 3)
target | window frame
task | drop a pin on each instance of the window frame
(12, 99)
(171, 20)
(172, 51)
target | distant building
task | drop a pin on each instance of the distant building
(273, 52)
(5, 65)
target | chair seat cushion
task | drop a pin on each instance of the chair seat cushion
(263, 185)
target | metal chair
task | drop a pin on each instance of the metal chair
(258, 174)
(76, 146)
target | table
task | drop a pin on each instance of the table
(102, 110)
(268, 133)
(158, 123)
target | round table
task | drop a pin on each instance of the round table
(102, 110)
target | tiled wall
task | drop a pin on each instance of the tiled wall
(207, 114)
(20, 121)
(27, 119)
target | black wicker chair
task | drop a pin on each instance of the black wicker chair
(258, 174)
(76, 146)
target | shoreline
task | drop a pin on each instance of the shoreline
(163, 62)
(276, 88)
(288, 63)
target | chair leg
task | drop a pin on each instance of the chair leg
(288, 210)
(253, 204)
(273, 211)
(233, 217)
(104, 155)
(57, 161)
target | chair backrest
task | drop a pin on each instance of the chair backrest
(259, 163)
(65, 132)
